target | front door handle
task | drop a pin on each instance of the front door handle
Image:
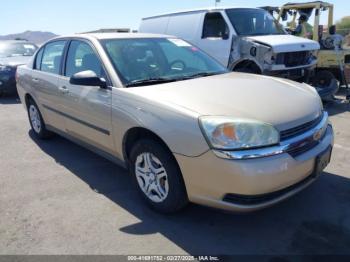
(35, 80)
(63, 89)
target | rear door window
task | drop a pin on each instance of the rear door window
(52, 57)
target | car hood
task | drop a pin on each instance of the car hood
(286, 43)
(15, 61)
(282, 103)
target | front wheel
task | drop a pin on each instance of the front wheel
(36, 121)
(323, 79)
(247, 70)
(157, 176)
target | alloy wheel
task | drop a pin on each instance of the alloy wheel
(35, 118)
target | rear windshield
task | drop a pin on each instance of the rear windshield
(252, 22)
(17, 49)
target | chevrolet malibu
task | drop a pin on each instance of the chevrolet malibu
(185, 128)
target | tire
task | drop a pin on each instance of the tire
(36, 121)
(247, 70)
(323, 79)
(163, 190)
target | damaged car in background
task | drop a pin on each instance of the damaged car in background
(242, 39)
(12, 54)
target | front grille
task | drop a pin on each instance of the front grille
(259, 199)
(293, 58)
(298, 130)
(297, 151)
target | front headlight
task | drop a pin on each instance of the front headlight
(231, 134)
(312, 56)
(268, 57)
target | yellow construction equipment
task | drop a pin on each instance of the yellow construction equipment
(333, 59)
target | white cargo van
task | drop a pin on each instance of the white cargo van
(243, 39)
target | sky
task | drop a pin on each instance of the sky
(74, 16)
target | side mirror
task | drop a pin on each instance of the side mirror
(87, 78)
(225, 36)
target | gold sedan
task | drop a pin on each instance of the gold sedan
(185, 127)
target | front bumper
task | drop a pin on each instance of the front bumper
(210, 179)
(294, 73)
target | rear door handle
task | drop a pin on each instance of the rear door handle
(35, 80)
(63, 89)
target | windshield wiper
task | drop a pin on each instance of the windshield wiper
(161, 80)
(202, 74)
(149, 81)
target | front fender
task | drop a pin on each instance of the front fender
(177, 127)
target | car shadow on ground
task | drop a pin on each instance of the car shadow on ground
(316, 221)
(8, 100)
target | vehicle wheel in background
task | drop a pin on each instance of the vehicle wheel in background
(36, 121)
(247, 70)
(323, 79)
(157, 176)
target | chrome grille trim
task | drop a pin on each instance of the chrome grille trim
(293, 146)
(295, 131)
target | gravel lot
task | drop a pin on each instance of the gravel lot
(59, 198)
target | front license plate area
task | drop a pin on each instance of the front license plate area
(323, 160)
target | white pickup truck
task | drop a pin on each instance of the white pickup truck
(242, 39)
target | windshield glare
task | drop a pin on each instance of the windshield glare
(250, 22)
(17, 49)
(158, 58)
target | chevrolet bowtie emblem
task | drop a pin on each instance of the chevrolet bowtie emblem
(317, 135)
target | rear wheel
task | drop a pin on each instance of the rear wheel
(36, 121)
(157, 176)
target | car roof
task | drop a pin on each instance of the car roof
(101, 36)
(203, 9)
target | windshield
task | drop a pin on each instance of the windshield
(252, 22)
(148, 60)
(17, 49)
